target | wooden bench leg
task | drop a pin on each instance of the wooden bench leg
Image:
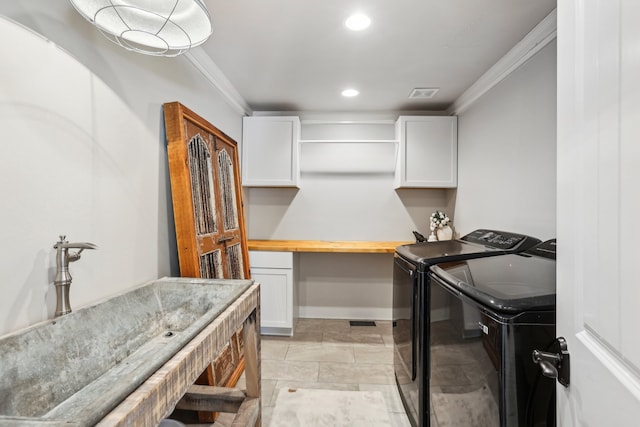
(248, 414)
(252, 363)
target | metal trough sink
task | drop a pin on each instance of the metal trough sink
(74, 369)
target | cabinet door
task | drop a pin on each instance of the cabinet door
(276, 299)
(428, 151)
(270, 151)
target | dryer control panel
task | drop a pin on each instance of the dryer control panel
(545, 249)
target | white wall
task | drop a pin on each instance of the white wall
(83, 154)
(507, 153)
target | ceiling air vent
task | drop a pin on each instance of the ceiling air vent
(423, 93)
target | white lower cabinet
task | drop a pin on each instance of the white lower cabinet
(274, 272)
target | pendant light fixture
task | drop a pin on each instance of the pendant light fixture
(152, 27)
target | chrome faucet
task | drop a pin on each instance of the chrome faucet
(63, 277)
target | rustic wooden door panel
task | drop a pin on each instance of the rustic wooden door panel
(207, 197)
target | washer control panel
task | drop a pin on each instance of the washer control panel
(500, 239)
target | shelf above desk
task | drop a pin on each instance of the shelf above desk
(324, 246)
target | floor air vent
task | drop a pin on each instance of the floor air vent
(362, 323)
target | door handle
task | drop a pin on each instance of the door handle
(554, 365)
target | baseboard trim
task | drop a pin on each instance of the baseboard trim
(282, 332)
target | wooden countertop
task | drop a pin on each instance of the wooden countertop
(324, 246)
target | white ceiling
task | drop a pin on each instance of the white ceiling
(297, 55)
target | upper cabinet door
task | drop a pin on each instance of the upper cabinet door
(428, 152)
(270, 151)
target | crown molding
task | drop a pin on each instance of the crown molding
(543, 33)
(205, 65)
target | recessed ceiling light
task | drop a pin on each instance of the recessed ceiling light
(357, 22)
(349, 93)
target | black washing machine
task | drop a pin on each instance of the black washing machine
(414, 306)
(500, 310)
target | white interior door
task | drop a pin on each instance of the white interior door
(599, 210)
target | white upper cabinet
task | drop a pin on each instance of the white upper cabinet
(270, 151)
(428, 152)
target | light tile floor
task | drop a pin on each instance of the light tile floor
(331, 354)
(328, 354)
